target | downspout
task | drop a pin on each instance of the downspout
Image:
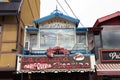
(86, 35)
(18, 31)
(18, 26)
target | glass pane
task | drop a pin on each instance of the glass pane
(47, 38)
(57, 37)
(33, 40)
(81, 39)
(111, 37)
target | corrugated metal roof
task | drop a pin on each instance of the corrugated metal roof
(9, 8)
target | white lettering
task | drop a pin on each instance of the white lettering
(114, 55)
(37, 66)
(56, 25)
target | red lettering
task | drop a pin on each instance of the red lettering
(30, 60)
(66, 59)
(86, 65)
(24, 59)
(36, 59)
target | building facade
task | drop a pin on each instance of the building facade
(56, 48)
(14, 15)
(107, 47)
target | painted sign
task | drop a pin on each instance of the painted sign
(110, 55)
(58, 62)
(78, 57)
(58, 24)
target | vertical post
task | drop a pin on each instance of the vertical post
(21, 76)
(29, 76)
(90, 76)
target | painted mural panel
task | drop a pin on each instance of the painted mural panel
(57, 37)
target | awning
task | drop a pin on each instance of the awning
(108, 69)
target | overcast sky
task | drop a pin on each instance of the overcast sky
(87, 11)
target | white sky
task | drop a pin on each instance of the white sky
(87, 11)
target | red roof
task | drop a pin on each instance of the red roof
(105, 18)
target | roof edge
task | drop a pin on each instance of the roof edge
(105, 18)
(57, 13)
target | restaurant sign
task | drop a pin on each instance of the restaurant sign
(110, 55)
(41, 63)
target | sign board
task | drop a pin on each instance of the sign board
(60, 62)
(110, 55)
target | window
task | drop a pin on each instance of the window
(81, 38)
(33, 40)
(57, 37)
(80, 41)
(111, 37)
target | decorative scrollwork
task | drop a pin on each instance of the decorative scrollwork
(57, 50)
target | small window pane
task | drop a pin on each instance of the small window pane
(33, 40)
